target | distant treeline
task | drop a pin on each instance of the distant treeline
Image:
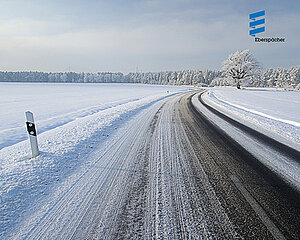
(288, 78)
(285, 78)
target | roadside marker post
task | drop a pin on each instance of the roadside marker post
(32, 133)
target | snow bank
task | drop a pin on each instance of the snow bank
(276, 113)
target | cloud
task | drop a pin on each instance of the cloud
(154, 34)
(166, 37)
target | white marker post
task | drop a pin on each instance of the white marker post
(32, 134)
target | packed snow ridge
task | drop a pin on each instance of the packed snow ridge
(273, 112)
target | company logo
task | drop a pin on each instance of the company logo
(256, 21)
(257, 25)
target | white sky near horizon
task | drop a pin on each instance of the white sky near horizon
(145, 35)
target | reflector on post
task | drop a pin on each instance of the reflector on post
(32, 133)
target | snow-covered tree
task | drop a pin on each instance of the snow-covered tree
(240, 66)
(288, 78)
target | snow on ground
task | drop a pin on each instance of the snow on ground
(276, 113)
(57, 104)
(282, 165)
(71, 119)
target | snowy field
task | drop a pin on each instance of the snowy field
(71, 119)
(54, 105)
(276, 113)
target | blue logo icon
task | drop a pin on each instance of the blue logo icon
(257, 19)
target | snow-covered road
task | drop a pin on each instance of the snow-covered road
(167, 173)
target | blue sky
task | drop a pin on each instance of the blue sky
(152, 35)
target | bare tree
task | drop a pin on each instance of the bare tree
(241, 65)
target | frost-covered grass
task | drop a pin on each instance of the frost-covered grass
(274, 112)
(71, 120)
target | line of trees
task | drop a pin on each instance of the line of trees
(283, 78)
(242, 68)
(67, 77)
(288, 78)
(188, 77)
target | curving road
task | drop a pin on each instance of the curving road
(170, 174)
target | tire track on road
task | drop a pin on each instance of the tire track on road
(169, 176)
